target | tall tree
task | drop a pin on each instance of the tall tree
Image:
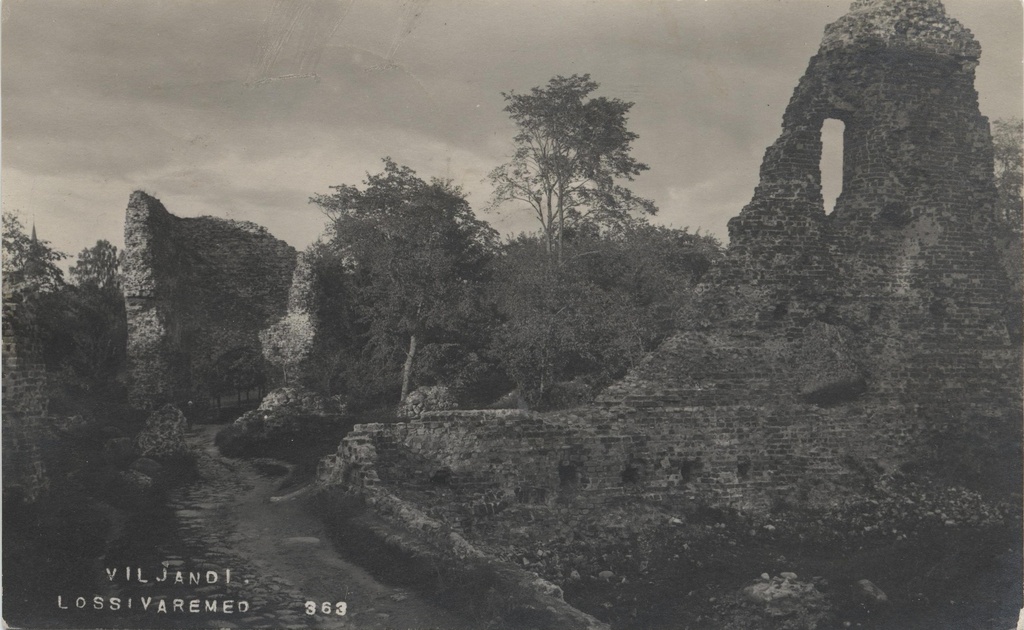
(27, 260)
(85, 331)
(97, 266)
(417, 256)
(1007, 136)
(569, 151)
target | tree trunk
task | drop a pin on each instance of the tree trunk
(407, 368)
(548, 228)
(561, 225)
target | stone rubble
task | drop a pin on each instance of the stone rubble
(425, 399)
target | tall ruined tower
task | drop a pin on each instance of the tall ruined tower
(197, 292)
(887, 316)
(906, 259)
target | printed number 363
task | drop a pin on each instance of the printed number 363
(327, 608)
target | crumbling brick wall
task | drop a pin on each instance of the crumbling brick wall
(741, 455)
(25, 401)
(824, 343)
(904, 269)
(196, 291)
(906, 259)
(287, 344)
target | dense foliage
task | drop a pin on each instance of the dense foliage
(567, 329)
(29, 263)
(1007, 138)
(418, 291)
(416, 259)
(81, 324)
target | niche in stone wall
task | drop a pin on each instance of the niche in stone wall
(743, 467)
(441, 477)
(633, 473)
(688, 470)
(569, 474)
(831, 165)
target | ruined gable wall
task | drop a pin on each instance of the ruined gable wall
(904, 268)
(893, 304)
(196, 290)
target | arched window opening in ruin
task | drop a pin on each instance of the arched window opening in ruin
(441, 477)
(743, 467)
(633, 473)
(831, 162)
(688, 469)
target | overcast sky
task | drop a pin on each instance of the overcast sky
(245, 108)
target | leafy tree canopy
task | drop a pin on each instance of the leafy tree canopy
(1007, 138)
(97, 266)
(28, 261)
(613, 299)
(570, 151)
(417, 257)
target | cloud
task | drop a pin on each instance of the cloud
(186, 97)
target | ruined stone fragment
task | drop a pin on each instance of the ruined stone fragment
(164, 434)
(197, 292)
(288, 342)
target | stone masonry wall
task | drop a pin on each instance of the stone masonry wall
(25, 430)
(825, 343)
(197, 290)
(741, 455)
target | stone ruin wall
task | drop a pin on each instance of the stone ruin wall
(288, 343)
(25, 400)
(896, 296)
(823, 344)
(906, 260)
(197, 290)
(743, 455)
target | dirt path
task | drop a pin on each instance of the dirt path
(279, 554)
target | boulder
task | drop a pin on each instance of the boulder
(511, 400)
(288, 418)
(149, 467)
(136, 481)
(423, 399)
(163, 437)
(301, 401)
(869, 592)
(784, 596)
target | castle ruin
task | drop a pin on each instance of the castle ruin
(824, 344)
(198, 291)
